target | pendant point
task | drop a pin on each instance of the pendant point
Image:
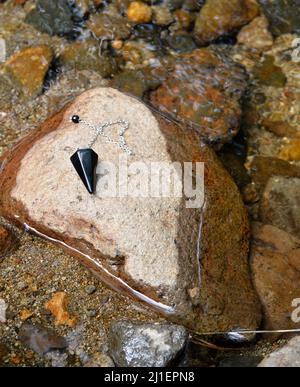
(85, 163)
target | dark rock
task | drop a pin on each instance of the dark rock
(233, 156)
(53, 17)
(40, 339)
(239, 361)
(109, 26)
(181, 43)
(280, 204)
(7, 241)
(284, 16)
(90, 289)
(139, 82)
(145, 345)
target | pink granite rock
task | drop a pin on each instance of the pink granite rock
(188, 263)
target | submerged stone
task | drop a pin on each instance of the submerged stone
(256, 34)
(221, 17)
(268, 73)
(87, 56)
(7, 241)
(28, 69)
(40, 339)
(53, 17)
(190, 264)
(204, 91)
(280, 205)
(284, 16)
(275, 264)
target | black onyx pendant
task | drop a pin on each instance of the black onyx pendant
(85, 162)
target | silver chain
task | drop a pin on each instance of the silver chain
(122, 144)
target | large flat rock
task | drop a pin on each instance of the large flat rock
(189, 264)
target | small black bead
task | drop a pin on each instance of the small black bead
(76, 119)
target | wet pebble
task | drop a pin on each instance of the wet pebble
(28, 69)
(145, 345)
(227, 16)
(90, 289)
(3, 308)
(181, 43)
(7, 241)
(40, 339)
(275, 264)
(87, 55)
(22, 286)
(52, 17)
(139, 12)
(99, 360)
(283, 16)
(280, 204)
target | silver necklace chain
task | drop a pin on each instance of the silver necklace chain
(100, 131)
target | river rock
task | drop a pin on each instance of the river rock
(287, 356)
(28, 69)
(145, 345)
(87, 56)
(189, 264)
(280, 204)
(40, 339)
(275, 263)
(7, 240)
(256, 34)
(52, 17)
(284, 17)
(4, 351)
(221, 17)
(109, 26)
(204, 91)
(3, 308)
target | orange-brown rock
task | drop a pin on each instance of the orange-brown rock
(291, 151)
(204, 91)
(7, 241)
(139, 12)
(275, 263)
(29, 68)
(58, 306)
